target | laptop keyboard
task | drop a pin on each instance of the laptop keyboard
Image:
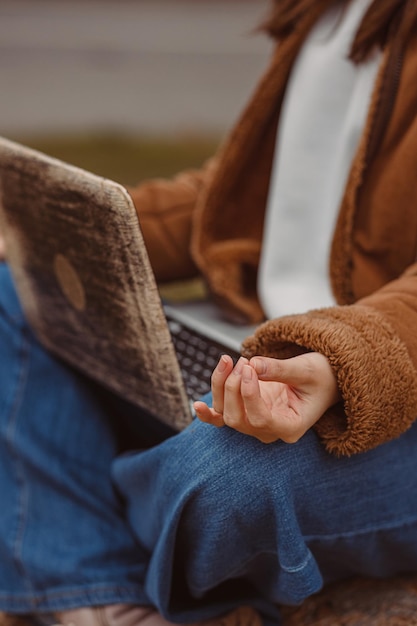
(198, 356)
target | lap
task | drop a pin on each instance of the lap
(379, 483)
(355, 515)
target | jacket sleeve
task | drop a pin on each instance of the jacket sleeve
(372, 348)
(165, 209)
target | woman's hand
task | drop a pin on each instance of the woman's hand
(271, 399)
(2, 248)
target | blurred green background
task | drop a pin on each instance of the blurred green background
(127, 160)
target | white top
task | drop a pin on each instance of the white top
(322, 118)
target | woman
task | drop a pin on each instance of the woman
(217, 519)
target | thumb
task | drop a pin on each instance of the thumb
(294, 371)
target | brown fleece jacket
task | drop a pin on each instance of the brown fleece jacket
(213, 221)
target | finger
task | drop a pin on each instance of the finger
(233, 408)
(295, 371)
(208, 415)
(218, 379)
(257, 413)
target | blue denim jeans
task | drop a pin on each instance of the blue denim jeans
(201, 522)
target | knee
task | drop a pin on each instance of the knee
(201, 469)
(228, 474)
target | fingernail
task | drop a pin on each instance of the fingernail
(221, 366)
(239, 365)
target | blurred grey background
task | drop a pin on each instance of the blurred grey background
(127, 66)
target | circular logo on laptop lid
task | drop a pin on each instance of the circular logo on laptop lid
(70, 282)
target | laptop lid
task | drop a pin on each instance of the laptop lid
(83, 276)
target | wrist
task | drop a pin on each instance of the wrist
(328, 380)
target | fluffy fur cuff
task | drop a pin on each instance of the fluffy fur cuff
(373, 368)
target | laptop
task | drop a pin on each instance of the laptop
(81, 269)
